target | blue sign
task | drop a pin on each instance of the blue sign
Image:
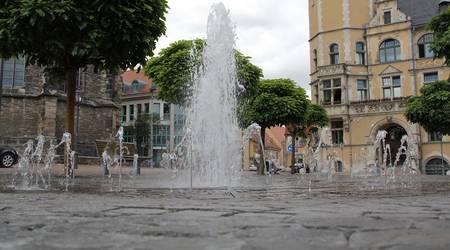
(291, 148)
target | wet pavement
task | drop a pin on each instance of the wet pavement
(287, 212)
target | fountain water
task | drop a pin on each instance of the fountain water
(34, 170)
(212, 142)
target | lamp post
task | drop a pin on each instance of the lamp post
(152, 96)
(79, 101)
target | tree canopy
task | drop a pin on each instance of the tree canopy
(276, 102)
(172, 70)
(432, 108)
(440, 25)
(73, 34)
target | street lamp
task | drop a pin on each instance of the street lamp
(152, 96)
(79, 100)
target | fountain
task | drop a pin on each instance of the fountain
(212, 142)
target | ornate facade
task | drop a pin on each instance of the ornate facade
(367, 58)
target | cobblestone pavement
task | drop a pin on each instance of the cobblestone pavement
(343, 214)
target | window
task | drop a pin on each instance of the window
(424, 44)
(131, 118)
(430, 77)
(179, 122)
(390, 51)
(332, 92)
(387, 17)
(434, 137)
(437, 166)
(124, 113)
(139, 109)
(128, 135)
(14, 72)
(315, 58)
(337, 132)
(363, 92)
(338, 166)
(161, 135)
(81, 80)
(360, 53)
(334, 54)
(166, 111)
(392, 87)
(316, 93)
(147, 108)
(156, 109)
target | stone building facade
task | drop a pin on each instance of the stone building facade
(367, 58)
(34, 104)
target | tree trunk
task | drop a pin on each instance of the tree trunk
(71, 78)
(262, 163)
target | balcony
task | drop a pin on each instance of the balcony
(379, 105)
(331, 70)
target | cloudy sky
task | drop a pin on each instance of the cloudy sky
(273, 32)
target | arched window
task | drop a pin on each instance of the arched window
(14, 72)
(360, 53)
(334, 54)
(437, 166)
(424, 44)
(390, 51)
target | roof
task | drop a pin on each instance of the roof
(420, 11)
(136, 83)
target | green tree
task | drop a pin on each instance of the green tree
(172, 70)
(316, 116)
(276, 102)
(432, 108)
(440, 25)
(66, 35)
(142, 131)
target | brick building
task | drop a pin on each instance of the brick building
(34, 103)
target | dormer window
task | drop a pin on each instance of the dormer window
(387, 17)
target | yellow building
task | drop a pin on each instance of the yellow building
(367, 58)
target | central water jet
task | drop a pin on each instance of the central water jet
(213, 151)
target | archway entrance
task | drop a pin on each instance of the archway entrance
(435, 167)
(394, 135)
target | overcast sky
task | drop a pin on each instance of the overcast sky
(273, 32)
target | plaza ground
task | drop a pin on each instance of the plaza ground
(287, 212)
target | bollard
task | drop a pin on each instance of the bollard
(137, 168)
(105, 160)
(105, 170)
